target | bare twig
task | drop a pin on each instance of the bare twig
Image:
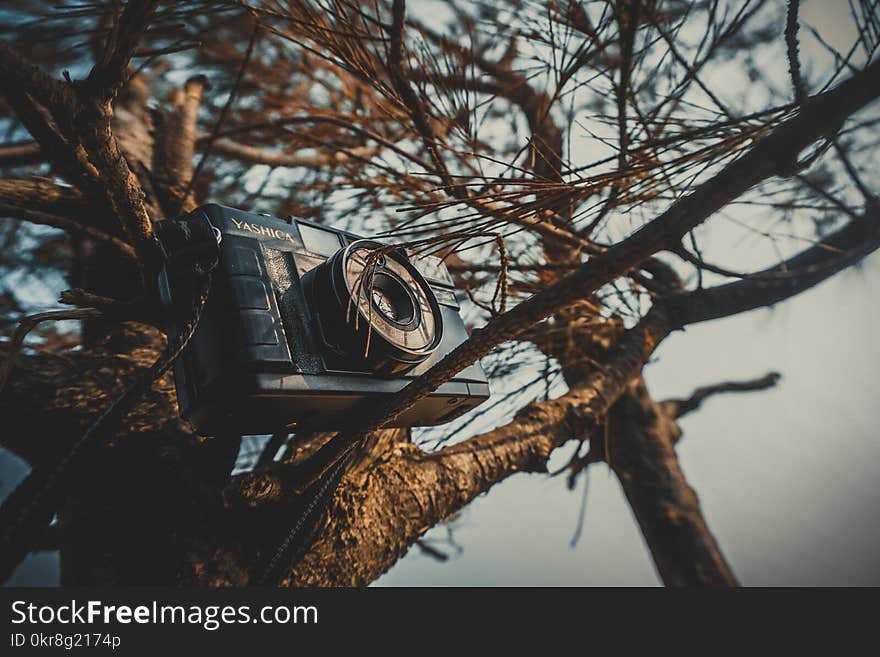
(677, 408)
(398, 69)
(791, 43)
(69, 225)
(28, 324)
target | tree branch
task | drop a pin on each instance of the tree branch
(791, 45)
(773, 153)
(177, 133)
(52, 144)
(642, 455)
(254, 155)
(676, 408)
(17, 72)
(69, 225)
(86, 146)
(16, 154)
(27, 325)
(834, 253)
(114, 309)
(236, 85)
(42, 195)
(123, 192)
(523, 445)
(398, 68)
(111, 70)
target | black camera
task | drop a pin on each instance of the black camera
(304, 321)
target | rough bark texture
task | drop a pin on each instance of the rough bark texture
(641, 451)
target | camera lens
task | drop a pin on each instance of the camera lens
(391, 297)
(374, 305)
(394, 299)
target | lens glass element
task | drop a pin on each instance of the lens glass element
(383, 303)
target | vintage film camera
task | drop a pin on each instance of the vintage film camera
(283, 336)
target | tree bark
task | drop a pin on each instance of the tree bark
(641, 450)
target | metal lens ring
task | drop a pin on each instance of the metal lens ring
(384, 310)
(403, 287)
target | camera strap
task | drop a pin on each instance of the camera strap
(317, 497)
(29, 509)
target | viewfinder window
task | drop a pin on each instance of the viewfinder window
(318, 240)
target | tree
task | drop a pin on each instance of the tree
(562, 157)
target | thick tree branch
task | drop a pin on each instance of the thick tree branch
(42, 195)
(111, 70)
(17, 72)
(86, 144)
(834, 253)
(56, 149)
(642, 455)
(123, 192)
(672, 522)
(132, 124)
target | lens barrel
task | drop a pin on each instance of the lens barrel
(373, 305)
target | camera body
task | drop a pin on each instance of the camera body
(303, 322)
